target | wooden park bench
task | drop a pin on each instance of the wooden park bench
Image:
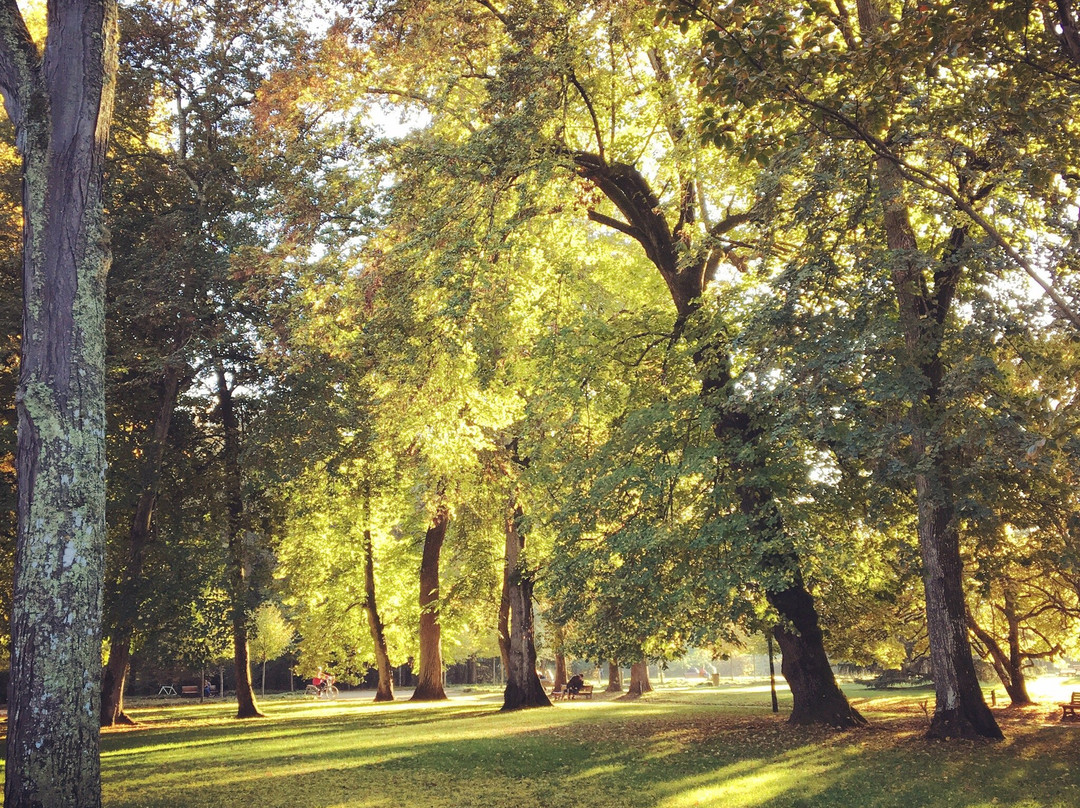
(189, 690)
(558, 692)
(585, 692)
(1069, 707)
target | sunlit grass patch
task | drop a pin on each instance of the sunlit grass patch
(673, 749)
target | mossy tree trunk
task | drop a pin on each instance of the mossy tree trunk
(429, 685)
(60, 103)
(237, 561)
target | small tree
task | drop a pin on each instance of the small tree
(272, 636)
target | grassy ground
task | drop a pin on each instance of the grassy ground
(676, 748)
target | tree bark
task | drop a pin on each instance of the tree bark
(429, 686)
(385, 689)
(614, 678)
(639, 680)
(139, 538)
(60, 103)
(504, 612)
(561, 677)
(804, 665)
(241, 607)
(523, 687)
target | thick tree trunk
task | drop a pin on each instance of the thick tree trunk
(429, 686)
(385, 689)
(614, 678)
(639, 680)
(60, 103)
(139, 537)
(960, 711)
(523, 687)
(237, 562)
(804, 664)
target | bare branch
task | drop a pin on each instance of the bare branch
(498, 14)
(592, 113)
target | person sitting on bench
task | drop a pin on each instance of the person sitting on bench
(573, 687)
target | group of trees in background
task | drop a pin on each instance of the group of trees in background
(662, 324)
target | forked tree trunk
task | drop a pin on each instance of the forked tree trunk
(429, 685)
(523, 687)
(639, 680)
(237, 561)
(614, 678)
(1008, 666)
(127, 607)
(1016, 685)
(385, 689)
(60, 103)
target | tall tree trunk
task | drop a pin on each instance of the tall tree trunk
(139, 537)
(959, 711)
(614, 678)
(241, 607)
(523, 687)
(429, 685)
(639, 680)
(816, 696)
(60, 103)
(385, 689)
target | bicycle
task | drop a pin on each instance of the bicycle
(325, 689)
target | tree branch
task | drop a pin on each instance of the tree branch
(20, 63)
(622, 227)
(592, 114)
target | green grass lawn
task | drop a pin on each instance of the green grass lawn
(675, 748)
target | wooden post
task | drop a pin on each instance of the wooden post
(772, 674)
